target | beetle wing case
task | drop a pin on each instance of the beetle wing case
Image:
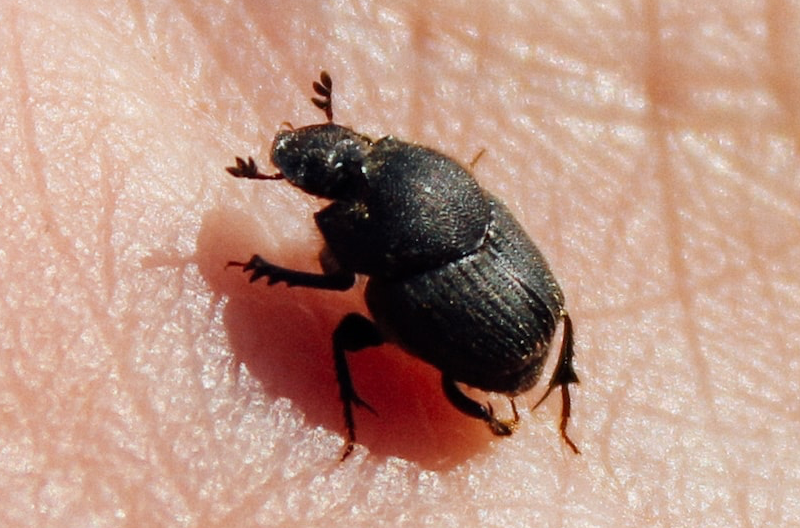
(477, 318)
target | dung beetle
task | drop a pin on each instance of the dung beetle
(453, 278)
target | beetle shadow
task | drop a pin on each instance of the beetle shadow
(283, 336)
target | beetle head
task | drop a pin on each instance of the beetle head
(323, 160)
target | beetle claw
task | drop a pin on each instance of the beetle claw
(502, 427)
(348, 448)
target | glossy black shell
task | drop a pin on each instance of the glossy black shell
(453, 279)
(481, 318)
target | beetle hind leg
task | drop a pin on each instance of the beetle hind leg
(470, 407)
(354, 333)
(563, 376)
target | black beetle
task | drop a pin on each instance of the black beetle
(453, 278)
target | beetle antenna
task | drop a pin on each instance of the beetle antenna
(324, 88)
(248, 169)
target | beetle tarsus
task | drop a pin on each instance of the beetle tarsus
(565, 411)
(504, 427)
(514, 410)
(355, 332)
(470, 407)
(563, 376)
(500, 427)
(348, 448)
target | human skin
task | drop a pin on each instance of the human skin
(650, 152)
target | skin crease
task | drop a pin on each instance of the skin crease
(651, 154)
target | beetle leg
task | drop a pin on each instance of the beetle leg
(514, 410)
(354, 333)
(470, 407)
(324, 281)
(563, 375)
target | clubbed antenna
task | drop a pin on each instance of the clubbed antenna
(248, 169)
(324, 88)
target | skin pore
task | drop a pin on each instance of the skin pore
(651, 154)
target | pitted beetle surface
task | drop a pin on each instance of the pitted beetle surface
(453, 278)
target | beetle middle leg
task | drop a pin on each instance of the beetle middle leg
(336, 280)
(470, 407)
(354, 333)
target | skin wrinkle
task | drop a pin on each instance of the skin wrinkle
(651, 155)
(671, 199)
(780, 36)
(32, 158)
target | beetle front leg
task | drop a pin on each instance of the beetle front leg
(339, 280)
(354, 333)
(470, 407)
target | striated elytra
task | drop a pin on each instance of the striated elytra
(453, 278)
